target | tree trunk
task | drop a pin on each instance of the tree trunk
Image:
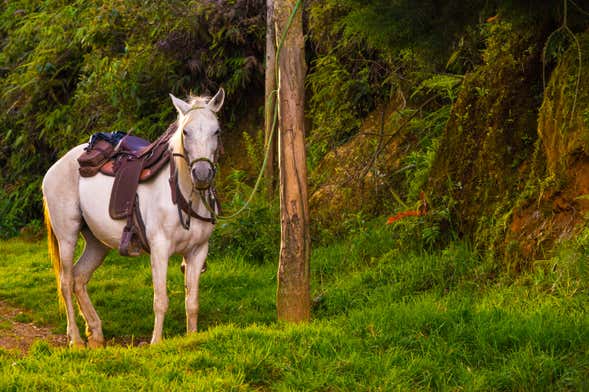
(270, 99)
(293, 295)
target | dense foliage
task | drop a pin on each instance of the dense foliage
(72, 68)
(467, 95)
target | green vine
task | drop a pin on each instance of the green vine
(564, 28)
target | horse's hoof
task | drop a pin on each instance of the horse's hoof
(203, 269)
(77, 344)
(95, 343)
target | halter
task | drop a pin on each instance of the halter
(212, 164)
(208, 194)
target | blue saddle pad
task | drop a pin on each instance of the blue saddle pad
(112, 137)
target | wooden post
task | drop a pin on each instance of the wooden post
(270, 99)
(293, 301)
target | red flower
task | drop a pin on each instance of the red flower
(421, 211)
(401, 215)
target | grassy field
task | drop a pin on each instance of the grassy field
(383, 319)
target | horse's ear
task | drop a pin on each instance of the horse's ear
(216, 102)
(181, 106)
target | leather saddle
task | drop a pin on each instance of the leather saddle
(130, 160)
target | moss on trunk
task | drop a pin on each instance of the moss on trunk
(481, 166)
(556, 204)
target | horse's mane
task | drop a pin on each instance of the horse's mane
(195, 100)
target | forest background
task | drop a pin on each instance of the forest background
(479, 110)
(481, 107)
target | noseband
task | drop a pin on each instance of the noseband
(208, 193)
(213, 167)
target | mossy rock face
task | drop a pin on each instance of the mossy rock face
(540, 225)
(558, 209)
(563, 123)
(480, 164)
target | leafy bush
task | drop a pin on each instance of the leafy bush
(253, 233)
(370, 50)
(334, 111)
(71, 69)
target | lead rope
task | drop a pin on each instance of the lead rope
(210, 202)
(207, 203)
(272, 130)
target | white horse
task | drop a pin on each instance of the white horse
(75, 204)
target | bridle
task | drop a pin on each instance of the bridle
(212, 164)
(208, 193)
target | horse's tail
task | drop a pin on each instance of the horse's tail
(53, 250)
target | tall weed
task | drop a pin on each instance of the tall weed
(253, 233)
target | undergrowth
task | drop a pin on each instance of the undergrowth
(385, 317)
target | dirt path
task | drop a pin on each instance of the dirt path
(19, 335)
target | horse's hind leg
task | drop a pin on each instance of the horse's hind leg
(67, 245)
(92, 257)
(64, 220)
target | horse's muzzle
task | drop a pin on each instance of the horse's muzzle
(203, 173)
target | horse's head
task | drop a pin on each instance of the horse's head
(197, 138)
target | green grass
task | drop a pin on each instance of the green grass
(383, 319)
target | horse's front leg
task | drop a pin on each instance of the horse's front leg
(194, 262)
(159, 271)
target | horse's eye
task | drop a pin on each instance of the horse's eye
(218, 131)
(185, 132)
